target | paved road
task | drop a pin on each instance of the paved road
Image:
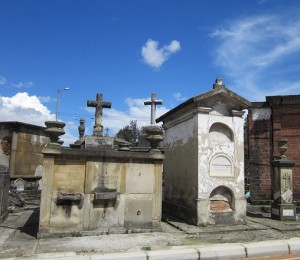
(260, 237)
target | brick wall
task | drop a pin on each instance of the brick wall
(269, 121)
(219, 205)
(260, 152)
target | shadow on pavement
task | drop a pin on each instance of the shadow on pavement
(31, 226)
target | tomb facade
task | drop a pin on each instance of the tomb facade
(204, 166)
(101, 186)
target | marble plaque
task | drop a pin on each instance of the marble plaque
(288, 213)
(286, 179)
(221, 167)
(110, 181)
(285, 196)
(261, 114)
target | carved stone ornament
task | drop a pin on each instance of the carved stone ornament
(53, 131)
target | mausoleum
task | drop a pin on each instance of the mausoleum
(102, 186)
(21, 153)
(204, 166)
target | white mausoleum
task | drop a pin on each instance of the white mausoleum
(204, 165)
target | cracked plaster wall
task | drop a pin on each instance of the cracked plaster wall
(180, 167)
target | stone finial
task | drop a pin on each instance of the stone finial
(53, 131)
(154, 137)
(81, 129)
(218, 83)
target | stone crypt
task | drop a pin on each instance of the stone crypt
(204, 166)
(99, 188)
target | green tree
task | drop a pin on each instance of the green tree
(130, 133)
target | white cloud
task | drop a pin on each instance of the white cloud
(3, 80)
(178, 96)
(257, 52)
(29, 109)
(45, 99)
(24, 108)
(27, 84)
(154, 56)
(173, 47)
(69, 137)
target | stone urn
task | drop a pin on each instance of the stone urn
(282, 146)
(81, 129)
(154, 135)
(53, 131)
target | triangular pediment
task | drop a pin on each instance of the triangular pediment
(220, 100)
(224, 94)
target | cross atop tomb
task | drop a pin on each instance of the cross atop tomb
(153, 102)
(107, 130)
(99, 104)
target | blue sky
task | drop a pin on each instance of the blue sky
(127, 49)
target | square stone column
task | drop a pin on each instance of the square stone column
(283, 207)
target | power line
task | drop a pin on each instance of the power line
(91, 116)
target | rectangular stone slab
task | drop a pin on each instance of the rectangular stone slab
(105, 195)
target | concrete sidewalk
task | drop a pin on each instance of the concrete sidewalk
(261, 236)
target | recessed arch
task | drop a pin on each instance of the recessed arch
(221, 199)
(220, 133)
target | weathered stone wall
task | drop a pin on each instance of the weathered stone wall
(21, 152)
(5, 151)
(278, 117)
(99, 191)
(28, 157)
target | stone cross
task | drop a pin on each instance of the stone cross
(99, 104)
(287, 181)
(107, 130)
(153, 102)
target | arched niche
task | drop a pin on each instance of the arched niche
(221, 200)
(221, 166)
(220, 133)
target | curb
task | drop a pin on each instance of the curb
(217, 251)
